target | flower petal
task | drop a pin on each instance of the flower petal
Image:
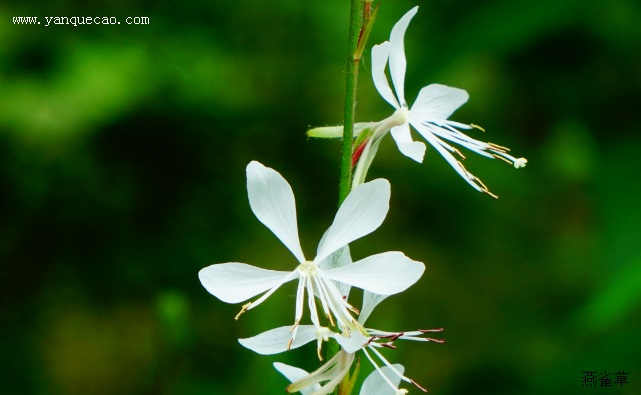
(408, 147)
(352, 343)
(293, 373)
(275, 340)
(384, 274)
(375, 384)
(362, 212)
(272, 201)
(380, 55)
(397, 62)
(235, 282)
(370, 300)
(438, 102)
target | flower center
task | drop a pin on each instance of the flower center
(307, 268)
(401, 116)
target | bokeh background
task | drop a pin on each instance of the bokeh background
(122, 173)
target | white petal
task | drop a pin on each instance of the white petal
(272, 201)
(275, 341)
(408, 147)
(370, 300)
(235, 282)
(438, 102)
(293, 373)
(374, 384)
(380, 55)
(353, 343)
(397, 62)
(384, 274)
(362, 212)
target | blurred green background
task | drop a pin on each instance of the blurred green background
(122, 173)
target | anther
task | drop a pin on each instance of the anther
(242, 310)
(459, 153)
(498, 147)
(331, 321)
(360, 327)
(418, 386)
(502, 158)
(477, 127)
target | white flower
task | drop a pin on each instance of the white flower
(429, 113)
(332, 372)
(272, 201)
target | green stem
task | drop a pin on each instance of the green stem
(359, 28)
(351, 78)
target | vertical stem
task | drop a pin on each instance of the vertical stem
(351, 78)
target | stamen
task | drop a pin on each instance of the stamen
(266, 295)
(418, 386)
(381, 372)
(389, 365)
(497, 147)
(502, 158)
(312, 303)
(338, 305)
(360, 327)
(300, 299)
(477, 127)
(477, 181)
(242, 310)
(323, 297)
(491, 194)
(458, 153)
(397, 336)
(321, 336)
(330, 301)
(331, 320)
